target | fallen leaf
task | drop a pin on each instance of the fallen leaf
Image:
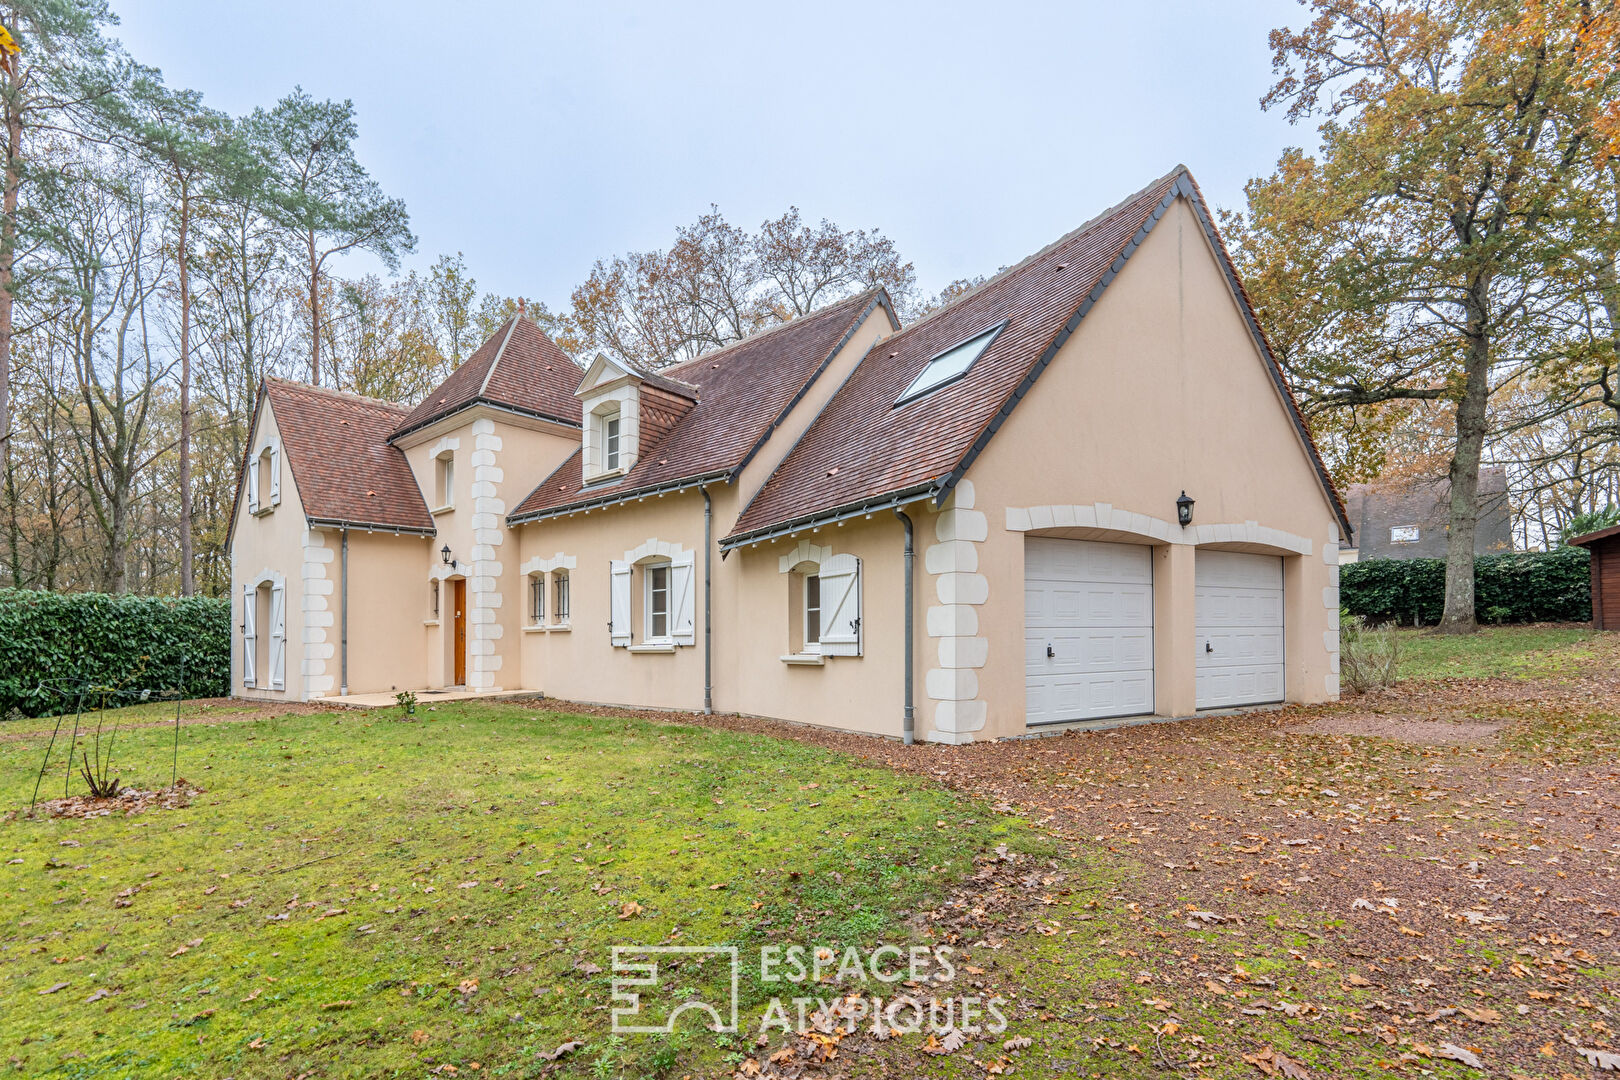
(1600, 1059)
(629, 909)
(54, 989)
(1453, 1052)
(562, 1048)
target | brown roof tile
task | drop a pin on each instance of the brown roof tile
(518, 368)
(337, 447)
(863, 449)
(742, 391)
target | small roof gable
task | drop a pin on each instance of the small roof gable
(346, 471)
(518, 368)
(1593, 538)
(741, 393)
(605, 371)
(863, 449)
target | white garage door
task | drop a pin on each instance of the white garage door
(1240, 629)
(1088, 630)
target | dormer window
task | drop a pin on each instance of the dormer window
(949, 365)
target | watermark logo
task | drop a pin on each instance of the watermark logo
(820, 989)
(636, 970)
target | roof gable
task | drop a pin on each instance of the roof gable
(518, 368)
(337, 448)
(869, 446)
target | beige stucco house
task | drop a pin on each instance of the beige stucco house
(1078, 493)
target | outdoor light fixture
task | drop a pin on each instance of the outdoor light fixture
(1184, 507)
(444, 553)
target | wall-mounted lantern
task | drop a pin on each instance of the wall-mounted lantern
(1184, 507)
(444, 554)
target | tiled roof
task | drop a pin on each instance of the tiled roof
(742, 391)
(337, 447)
(862, 450)
(517, 368)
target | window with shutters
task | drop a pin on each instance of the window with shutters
(264, 481)
(663, 574)
(824, 605)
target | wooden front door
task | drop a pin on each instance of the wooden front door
(459, 601)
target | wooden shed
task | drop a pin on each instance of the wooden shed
(1605, 547)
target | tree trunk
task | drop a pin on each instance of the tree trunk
(187, 585)
(314, 315)
(1458, 617)
(8, 258)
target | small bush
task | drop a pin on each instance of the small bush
(1528, 586)
(1368, 656)
(135, 643)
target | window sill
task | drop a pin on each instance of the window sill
(445, 509)
(653, 647)
(535, 628)
(559, 628)
(610, 474)
(264, 511)
(430, 622)
(805, 659)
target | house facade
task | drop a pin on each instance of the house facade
(1078, 493)
(1410, 519)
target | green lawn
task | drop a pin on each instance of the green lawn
(361, 896)
(1538, 651)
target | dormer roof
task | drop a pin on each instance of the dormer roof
(605, 372)
(519, 369)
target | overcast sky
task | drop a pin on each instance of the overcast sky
(537, 137)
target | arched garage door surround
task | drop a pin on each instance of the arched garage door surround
(1176, 620)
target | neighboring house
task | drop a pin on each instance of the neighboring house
(966, 528)
(1411, 519)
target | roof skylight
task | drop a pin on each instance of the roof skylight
(949, 365)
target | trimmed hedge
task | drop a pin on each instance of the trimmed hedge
(132, 642)
(1530, 586)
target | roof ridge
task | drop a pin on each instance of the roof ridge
(360, 399)
(1024, 263)
(865, 294)
(483, 387)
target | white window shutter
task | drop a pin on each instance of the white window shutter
(619, 600)
(253, 485)
(681, 598)
(250, 636)
(841, 606)
(278, 637)
(275, 476)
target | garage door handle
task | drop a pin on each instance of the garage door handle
(1049, 653)
(1208, 647)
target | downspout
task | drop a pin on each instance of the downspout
(708, 622)
(343, 689)
(908, 725)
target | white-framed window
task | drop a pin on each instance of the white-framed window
(948, 366)
(444, 480)
(537, 599)
(1404, 534)
(264, 480)
(610, 442)
(655, 623)
(812, 613)
(559, 598)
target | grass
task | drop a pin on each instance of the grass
(360, 896)
(1524, 652)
